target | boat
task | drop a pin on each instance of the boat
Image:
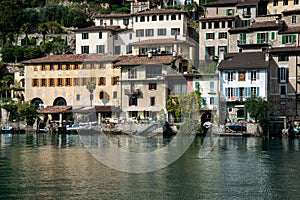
(236, 127)
(76, 128)
(7, 128)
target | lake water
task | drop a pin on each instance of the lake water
(60, 167)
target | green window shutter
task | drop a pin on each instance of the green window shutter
(294, 38)
(244, 38)
(206, 35)
(279, 57)
(258, 38)
(232, 12)
(248, 23)
(227, 12)
(283, 39)
(213, 36)
(219, 35)
(272, 35)
(267, 37)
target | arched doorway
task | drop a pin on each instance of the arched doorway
(59, 102)
(37, 102)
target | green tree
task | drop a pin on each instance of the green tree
(43, 29)
(7, 52)
(25, 28)
(28, 112)
(257, 108)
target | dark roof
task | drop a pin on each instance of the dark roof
(248, 3)
(290, 29)
(246, 60)
(101, 28)
(96, 109)
(221, 3)
(261, 25)
(219, 18)
(291, 12)
(144, 60)
(72, 58)
(158, 11)
(55, 109)
(285, 49)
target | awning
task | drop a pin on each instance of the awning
(55, 109)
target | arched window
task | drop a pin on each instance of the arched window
(59, 102)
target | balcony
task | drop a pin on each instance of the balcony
(251, 43)
(133, 92)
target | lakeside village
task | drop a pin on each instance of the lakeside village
(242, 61)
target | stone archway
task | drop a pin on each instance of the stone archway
(60, 101)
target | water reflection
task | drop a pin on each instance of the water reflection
(59, 167)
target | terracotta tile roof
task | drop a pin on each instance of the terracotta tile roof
(101, 28)
(144, 60)
(158, 11)
(113, 15)
(285, 49)
(55, 109)
(290, 29)
(72, 58)
(246, 60)
(162, 41)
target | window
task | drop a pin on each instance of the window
(262, 38)
(179, 16)
(59, 82)
(275, 2)
(101, 22)
(210, 36)
(154, 18)
(294, 19)
(111, 22)
(68, 81)
(282, 91)
(43, 67)
(167, 17)
(213, 100)
(152, 86)
(230, 12)
(83, 81)
(288, 39)
(222, 35)
(253, 75)
(246, 12)
(296, 2)
(142, 18)
(175, 31)
(211, 87)
(116, 37)
(210, 52)
(102, 65)
(161, 17)
(152, 101)
(102, 81)
(126, 22)
(117, 50)
(230, 24)
(203, 99)
(153, 71)
(139, 33)
(100, 35)
(35, 82)
(229, 92)
(217, 25)
(242, 76)
(209, 25)
(283, 57)
(230, 76)
(85, 36)
(52, 82)
(84, 49)
(223, 24)
(115, 95)
(273, 35)
(132, 101)
(173, 17)
(101, 95)
(114, 80)
(100, 49)
(242, 38)
(132, 73)
(149, 32)
(161, 31)
(285, 2)
(203, 25)
(76, 82)
(282, 75)
(130, 36)
(254, 91)
(44, 82)
(77, 97)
